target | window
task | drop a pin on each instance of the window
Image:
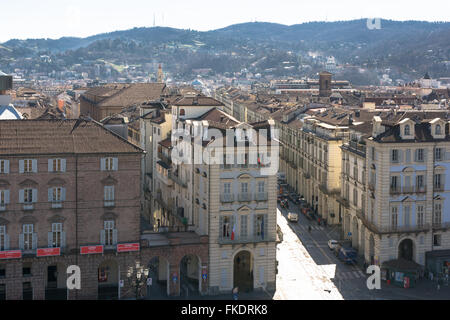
(4, 199)
(226, 227)
(27, 165)
(394, 217)
(109, 196)
(394, 183)
(437, 214)
(438, 154)
(260, 226)
(28, 237)
(407, 130)
(437, 240)
(4, 166)
(26, 269)
(261, 186)
(419, 182)
(420, 155)
(56, 196)
(355, 173)
(407, 216)
(420, 215)
(3, 239)
(437, 182)
(394, 155)
(182, 112)
(56, 165)
(55, 237)
(2, 292)
(109, 164)
(373, 154)
(27, 291)
(227, 188)
(28, 196)
(244, 187)
(244, 232)
(355, 196)
(109, 234)
(438, 130)
(2, 271)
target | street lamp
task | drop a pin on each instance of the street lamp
(137, 277)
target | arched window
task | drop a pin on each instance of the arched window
(438, 129)
(407, 130)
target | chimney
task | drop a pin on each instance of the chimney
(377, 128)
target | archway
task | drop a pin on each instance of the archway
(362, 241)
(158, 272)
(372, 249)
(190, 280)
(355, 243)
(55, 288)
(108, 280)
(243, 271)
(346, 224)
(406, 249)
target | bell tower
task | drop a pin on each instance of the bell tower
(160, 74)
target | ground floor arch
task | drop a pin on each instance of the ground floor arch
(190, 274)
(406, 249)
(158, 272)
(243, 271)
(355, 234)
(108, 280)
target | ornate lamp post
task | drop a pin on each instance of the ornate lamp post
(137, 277)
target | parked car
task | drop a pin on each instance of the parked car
(293, 217)
(332, 244)
(348, 255)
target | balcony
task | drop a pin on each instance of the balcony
(439, 188)
(245, 196)
(249, 239)
(395, 190)
(343, 201)
(441, 225)
(261, 196)
(226, 197)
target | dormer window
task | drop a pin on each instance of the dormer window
(438, 130)
(407, 131)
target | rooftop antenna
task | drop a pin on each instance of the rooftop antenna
(154, 20)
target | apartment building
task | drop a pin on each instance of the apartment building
(405, 161)
(234, 205)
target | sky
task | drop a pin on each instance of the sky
(22, 19)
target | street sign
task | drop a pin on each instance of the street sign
(11, 254)
(149, 281)
(48, 252)
(175, 277)
(91, 249)
(127, 247)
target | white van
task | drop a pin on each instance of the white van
(293, 217)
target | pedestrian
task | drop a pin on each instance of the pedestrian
(235, 293)
(431, 276)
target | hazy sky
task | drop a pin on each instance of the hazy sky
(56, 18)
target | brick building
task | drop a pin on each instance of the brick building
(70, 195)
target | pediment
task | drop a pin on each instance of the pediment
(3, 221)
(28, 219)
(56, 219)
(109, 216)
(109, 181)
(56, 182)
(4, 183)
(28, 183)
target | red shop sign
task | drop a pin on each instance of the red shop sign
(91, 249)
(47, 252)
(11, 254)
(128, 247)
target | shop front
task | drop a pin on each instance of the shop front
(438, 262)
(401, 272)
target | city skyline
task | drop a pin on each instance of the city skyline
(70, 19)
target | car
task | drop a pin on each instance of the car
(293, 217)
(332, 244)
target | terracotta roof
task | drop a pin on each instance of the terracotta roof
(166, 143)
(124, 95)
(197, 101)
(59, 137)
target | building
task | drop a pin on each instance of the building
(104, 101)
(234, 205)
(404, 162)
